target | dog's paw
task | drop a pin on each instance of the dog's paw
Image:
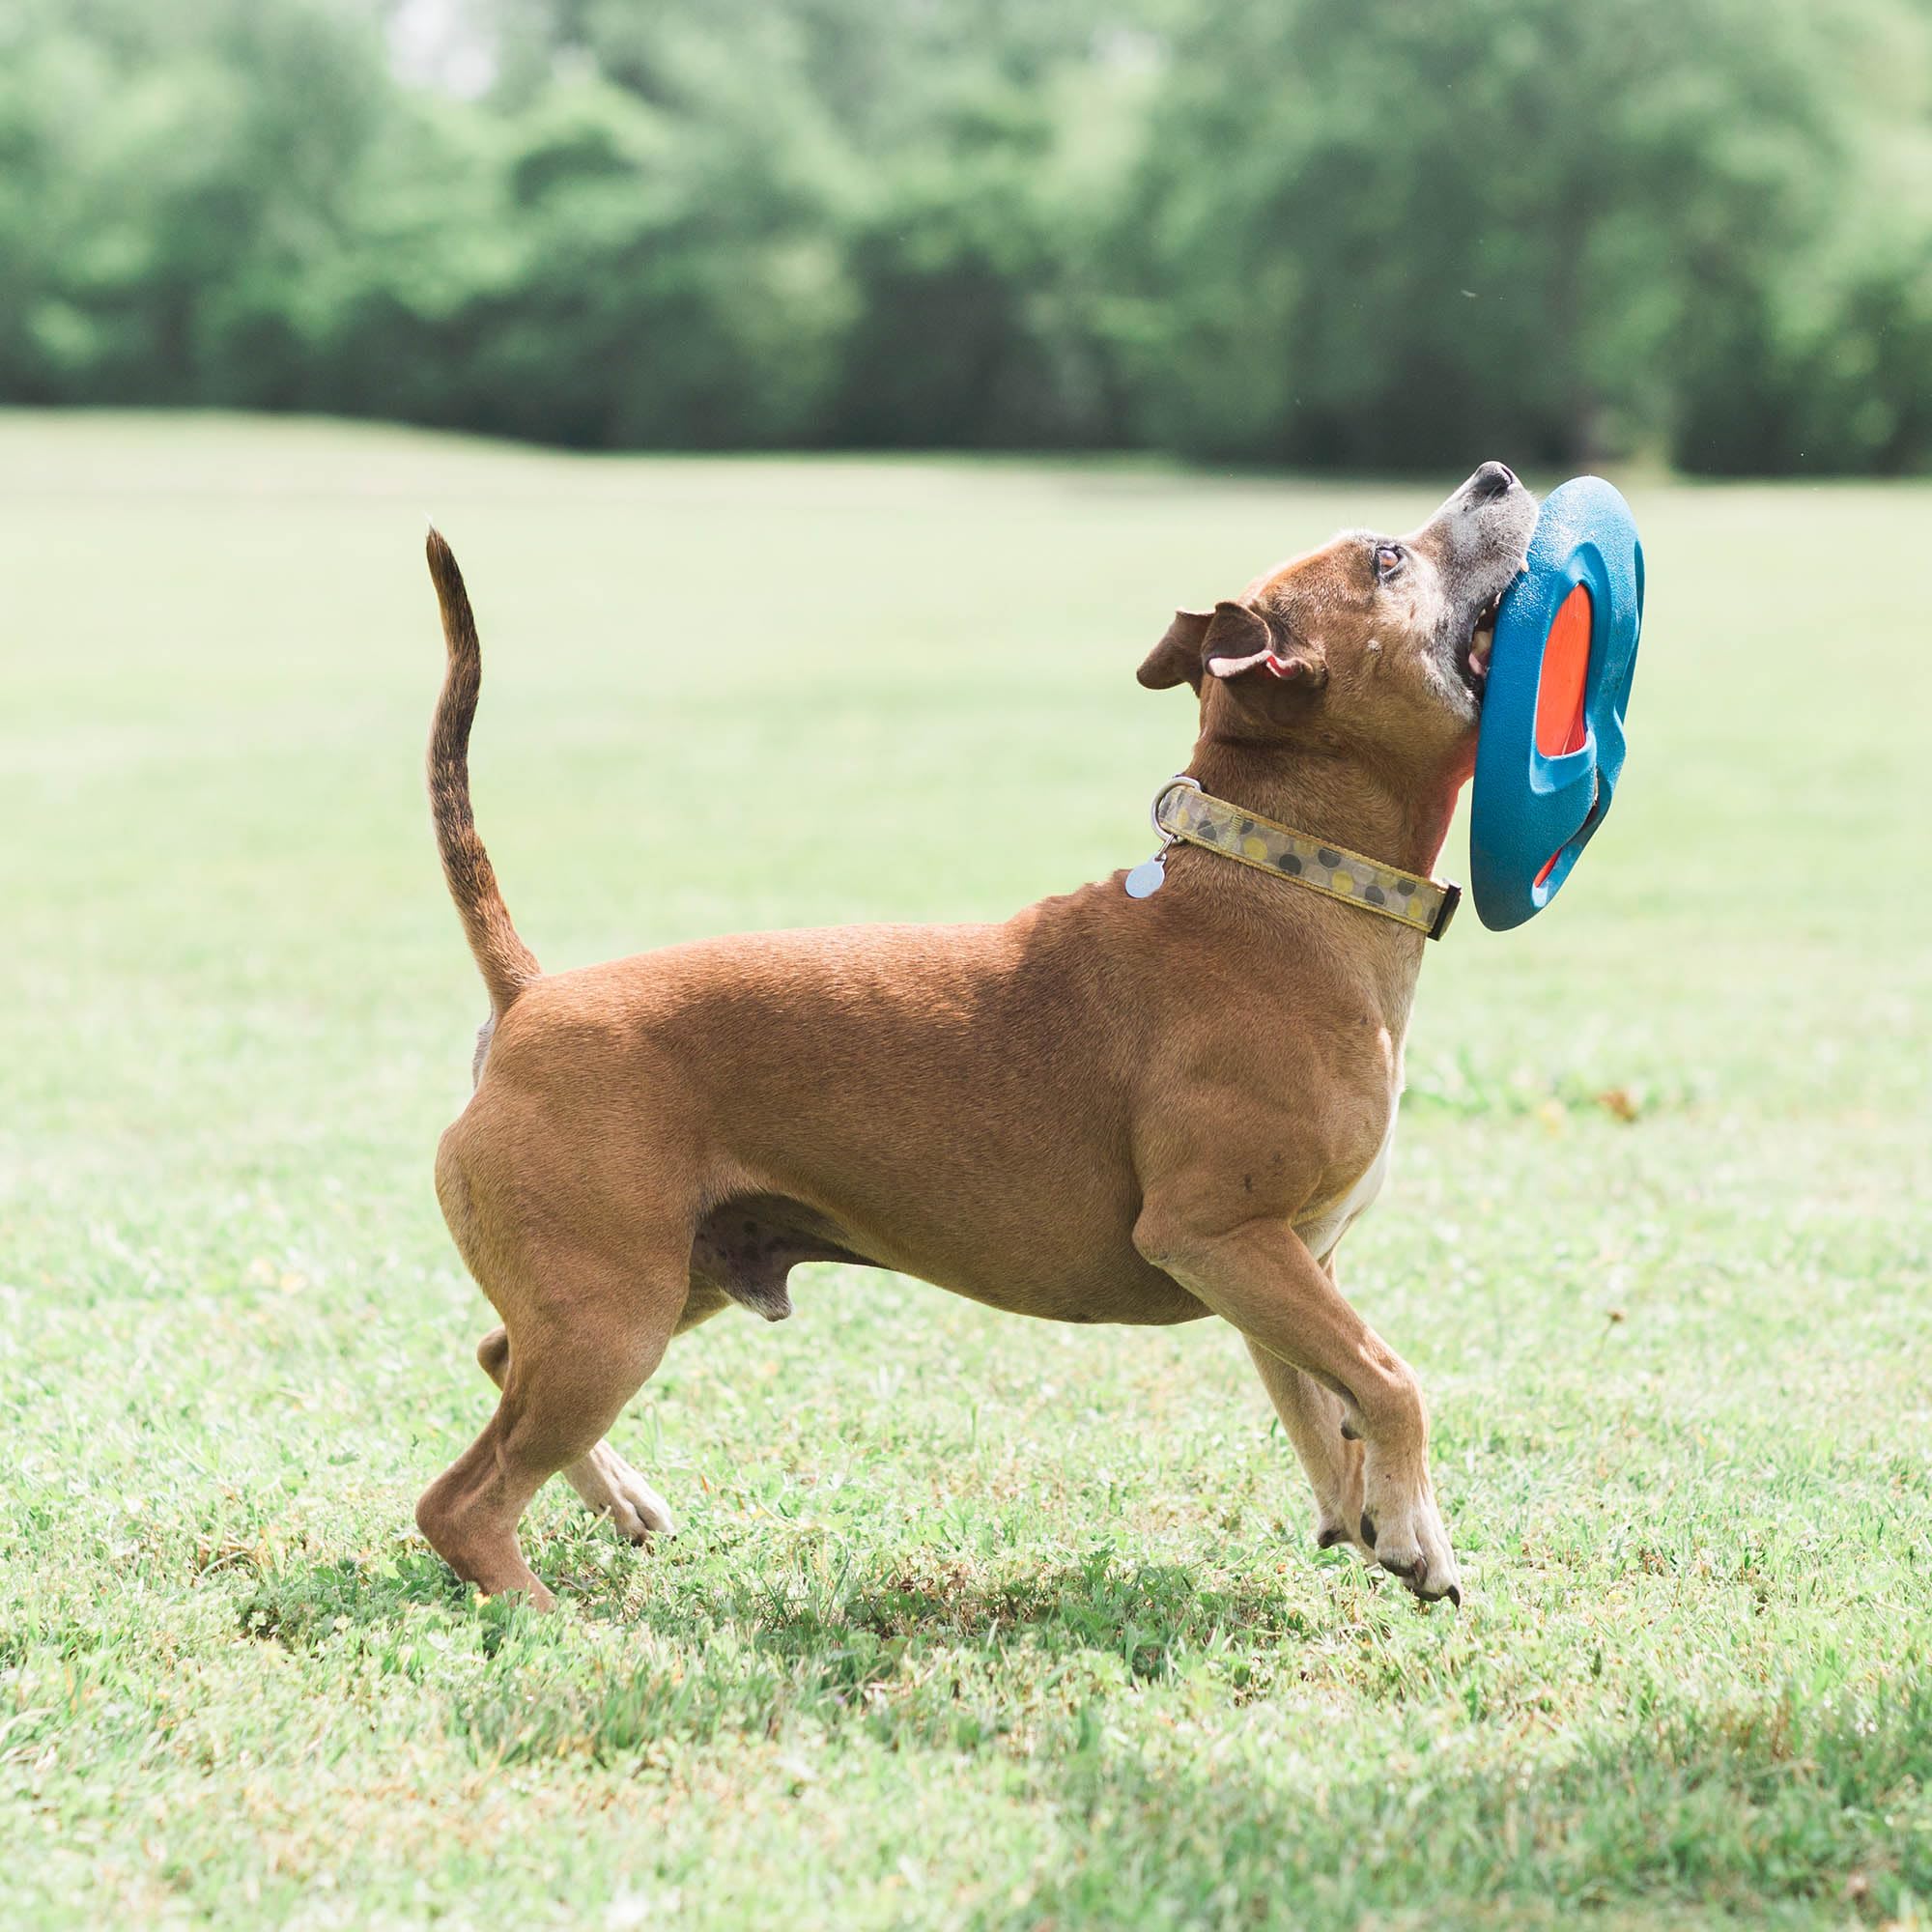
(1338, 1498)
(613, 1488)
(1332, 1529)
(1402, 1530)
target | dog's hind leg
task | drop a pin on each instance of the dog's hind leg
(564, 1383)
(607, 1483)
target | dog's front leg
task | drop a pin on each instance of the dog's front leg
(1259, 1276)
(1313, 1418)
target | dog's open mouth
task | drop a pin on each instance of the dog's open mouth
(1473, 660)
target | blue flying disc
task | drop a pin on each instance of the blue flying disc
(1550, 745)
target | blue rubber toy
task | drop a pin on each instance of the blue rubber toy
(1550, 745)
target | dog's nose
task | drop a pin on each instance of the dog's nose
(1491, 481)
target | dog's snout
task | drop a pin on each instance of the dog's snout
(1491, 481)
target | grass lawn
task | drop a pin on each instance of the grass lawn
(971, 1621)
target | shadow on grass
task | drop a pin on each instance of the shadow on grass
(299, 1605)
(1144, 1615)
(1143, 1612)
(1086, 1603)
(674, 1651)
(1764, 1810)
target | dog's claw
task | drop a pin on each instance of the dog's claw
(1415, 1579)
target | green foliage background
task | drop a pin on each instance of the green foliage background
(1363, 233)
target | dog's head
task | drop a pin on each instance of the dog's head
(1374, 643)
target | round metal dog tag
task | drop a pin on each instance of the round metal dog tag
(1550, 745)
(1147, 878)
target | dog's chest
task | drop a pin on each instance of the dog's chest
(1321, 1232)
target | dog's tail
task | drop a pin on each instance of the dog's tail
(506, 963)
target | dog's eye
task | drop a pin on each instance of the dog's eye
(1388, 560)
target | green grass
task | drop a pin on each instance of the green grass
(972, 1621)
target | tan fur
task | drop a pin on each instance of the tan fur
(506, 963)
(1102, 1109)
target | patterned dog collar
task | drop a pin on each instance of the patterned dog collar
(1183, 811)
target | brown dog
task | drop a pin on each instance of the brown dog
(1108, 1109)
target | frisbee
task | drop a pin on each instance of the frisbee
(1550, 745)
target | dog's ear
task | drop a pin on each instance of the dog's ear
(1228, 640)
(1177, 658)
(1240, 641)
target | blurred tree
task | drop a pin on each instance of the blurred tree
(1272, 231)
(1399, 232)
(947, 162)
(1824, 360)
(171, 174)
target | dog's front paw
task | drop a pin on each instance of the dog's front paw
(613, 1488)
(1338, 1497)
(1402, 1529)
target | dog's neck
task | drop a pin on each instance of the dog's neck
(1400, 819)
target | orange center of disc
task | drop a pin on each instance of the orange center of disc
(1566, 663)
